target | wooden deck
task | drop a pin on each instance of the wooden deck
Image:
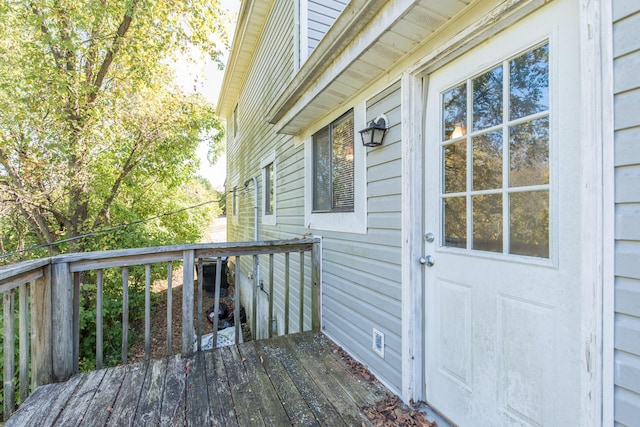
(293, 380)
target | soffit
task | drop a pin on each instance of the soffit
(368, 40)
(251, 21)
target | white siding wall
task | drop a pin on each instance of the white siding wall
(322, 14)
(627, 180)
(362, 273)
(269, 73)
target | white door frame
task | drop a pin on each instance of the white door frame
(597, 159)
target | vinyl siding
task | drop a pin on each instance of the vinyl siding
(321, 15)
(362, 273)
(269, 73)
(626, 49)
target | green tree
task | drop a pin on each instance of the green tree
(92, 130)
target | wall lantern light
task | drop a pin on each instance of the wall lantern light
(373, 134)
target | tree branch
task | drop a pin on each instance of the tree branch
(111, 53)
(129, 165)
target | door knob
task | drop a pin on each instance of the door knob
(428, 260)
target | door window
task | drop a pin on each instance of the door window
(495, 158)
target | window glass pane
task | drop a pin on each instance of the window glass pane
(455, 222)
(268, 184)
(487, 99)
(529, 222)
(455, 167)
(343, 163)
(487, 222)
(322, 170)
(529, 83)
(529, 153)
(487, 161)
(454, 112)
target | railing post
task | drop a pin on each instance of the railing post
(62, 321)
(41, 349)
(188, 258)
(315, 287)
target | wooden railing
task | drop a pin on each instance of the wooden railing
(48, 292)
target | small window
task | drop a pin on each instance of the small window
(268, 187)
(333, 166)
(268, 166)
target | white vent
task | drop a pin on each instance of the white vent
(378, 342)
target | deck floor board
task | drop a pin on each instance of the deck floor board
(296, 380)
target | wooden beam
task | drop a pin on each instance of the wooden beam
(125, 314)
(99, 317)
(187, 302)
(270, 323)
(147, 311)
(41, 345)
(169, 307)
(62, 322)
(8, 308)
(301, 293)
(23, 311)
(316, 287)
(20, 279)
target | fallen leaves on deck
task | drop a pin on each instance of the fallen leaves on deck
(355, 367)
(392, 412)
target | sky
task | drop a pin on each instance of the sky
(205, 78)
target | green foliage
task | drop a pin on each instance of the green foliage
(93, 132)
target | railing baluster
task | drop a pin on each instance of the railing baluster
(8, 308)
(125, 314)
(200, 285)
(287, 292)
(187, 302)
(23, 309)
(254, 308)
(216, 301)
(315, 287)
(169, 307)
(99, 317)
(301, 293)
(41, 321)
(147, 311)
(236, 309)
(76, 320)
(270, 325)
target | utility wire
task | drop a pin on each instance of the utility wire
(106, 230)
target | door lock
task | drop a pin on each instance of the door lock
(428, 260)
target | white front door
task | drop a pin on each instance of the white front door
(503, 313)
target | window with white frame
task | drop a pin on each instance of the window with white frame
(333, 166)
(336, 174)
(268, 166)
